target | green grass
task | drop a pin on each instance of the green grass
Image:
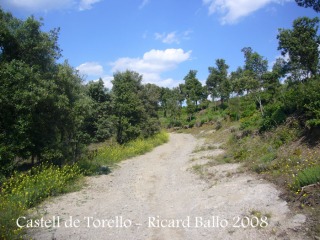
(25, 190)
(307, 177)
(115, 153)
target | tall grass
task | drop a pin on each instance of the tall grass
(116, 153)
(25, 190)
(306, 177)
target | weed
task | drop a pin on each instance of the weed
(115, 153)
(198, 169)
(25, 190)
(306, 177)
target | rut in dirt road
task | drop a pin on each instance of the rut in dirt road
(156, 196)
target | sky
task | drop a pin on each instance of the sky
(160, 39)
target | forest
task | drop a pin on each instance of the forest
(51, 116)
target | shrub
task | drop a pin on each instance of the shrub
(174, 123)
(273, 116)
(303, 99)
(284, 134)
(307, 176)
(250, 122)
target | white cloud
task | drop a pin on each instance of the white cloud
(144, 2)
(168, 38)
(47, 5)
(37, 5)
(90, 69)
(186, 34)
(87, 4)
(153, 63)
(107, 81)
(233, 10)
(172, 37)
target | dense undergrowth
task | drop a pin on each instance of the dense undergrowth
(24, 190)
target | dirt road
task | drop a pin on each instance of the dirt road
(158, 196)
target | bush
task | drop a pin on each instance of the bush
(307, 176)
(284, 134)
(274, 115)
(303, 98)
(174, 123)
(250, 122)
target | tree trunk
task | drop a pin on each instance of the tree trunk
(258, 98)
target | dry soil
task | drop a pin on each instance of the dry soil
(160, 196)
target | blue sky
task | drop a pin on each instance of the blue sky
(161, 39)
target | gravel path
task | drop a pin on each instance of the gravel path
(157, 196)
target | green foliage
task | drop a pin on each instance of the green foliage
(306, 177)
(42, 103)
(98, 125)
(303, 99)
(174, 123)
(250, 122)
(302, 45)
(116, 152)
(254, 63)
(274, 115)
(24, 41)
(150, 96)
(171, 101)
(193, 89)
(191, 109)
(315, 4)
(24, 190)
(135, 111)
(218, 83)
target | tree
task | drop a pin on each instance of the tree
(42, 103)
(238, 85)
(181, 93)
(24, 41)
(302, 46)
(217, 82)
(21, 91)
(315, 4)
(99, 123)
(191, 109)
(150, 96)
(280, 67)
(193, 87)
(40, 119)
(254, 69)
(174, 103)
(129, 110)
(71, 106)
(98, 92)
(163, 100)
(170, 101)
(254, 63)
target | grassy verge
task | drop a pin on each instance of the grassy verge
(23, 191)
(108, 155)
(282, 155)
(116, 152)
